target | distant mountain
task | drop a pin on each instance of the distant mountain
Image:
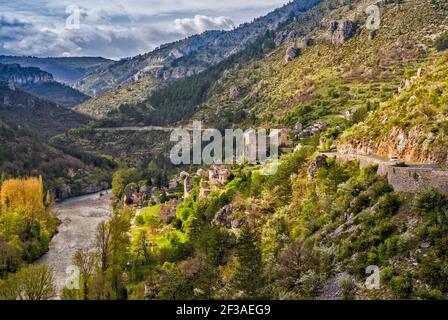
(45, 117)
(65, 70)
(184, 58)
(42, 84)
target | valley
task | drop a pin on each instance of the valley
(79, 218)
(361, 182)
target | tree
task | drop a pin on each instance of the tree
(143, 246)
(249, 280)
(119, 240)
(86, 262)
(26, 194)
(442, 42)
(102, 239)
(294, 262)
(34, 282)
(121, 179)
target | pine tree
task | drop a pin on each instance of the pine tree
(249, 280)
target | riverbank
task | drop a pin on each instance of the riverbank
(80, 217)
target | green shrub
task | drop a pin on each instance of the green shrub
(348, 287)
(139, 220)
(401, 286)
(432, 204)
(442, 42)
(387, 274)
(424, 294)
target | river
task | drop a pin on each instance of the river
(80, 218)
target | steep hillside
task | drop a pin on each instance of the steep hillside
(328, 79)
(60, 93)
(64, 70)
(413, 125)
(310, 231)
(41, 84)
(186, 57)
(179, 100)
(104, 105)
(45, 117)
(23, 153)
(330, 76)
(128, 148)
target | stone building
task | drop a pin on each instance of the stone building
(168, 210)
(187, 183)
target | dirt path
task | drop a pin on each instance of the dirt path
(80, 217)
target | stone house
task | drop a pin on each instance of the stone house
(168, 210)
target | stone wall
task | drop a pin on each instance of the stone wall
(404, 179)
(410, 178)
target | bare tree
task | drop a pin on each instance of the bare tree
(102, 239)
(86, 262)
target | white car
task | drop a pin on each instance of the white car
(393, 159)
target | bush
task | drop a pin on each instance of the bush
(429, 295)
(348, 287)
(310, 284)
(401, 285)
(428, 200)
(431, 204)
(442, 42)
(387, 274)
(139, 221)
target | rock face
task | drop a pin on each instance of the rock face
(319, 162)
(292, 53)
(341, 32)
(406, 144)
(223, 217)
(15, 74)
(235, 92)
(333, 26)
(285, 36)
(306, 42)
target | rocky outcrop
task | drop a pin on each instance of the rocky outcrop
(413, 145)
(285, 36)
(223, 217)
(306, 42)
(319, 162)
(292, 53)
(341, 32)
(235, 92)
(15, 74)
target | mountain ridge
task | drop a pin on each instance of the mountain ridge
(41, 84)
(190, 55)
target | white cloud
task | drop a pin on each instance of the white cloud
(201, 23)
(115, 28)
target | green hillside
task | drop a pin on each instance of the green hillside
(24, 153)
(413, 124)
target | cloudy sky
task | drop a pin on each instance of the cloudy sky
(114, 28)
